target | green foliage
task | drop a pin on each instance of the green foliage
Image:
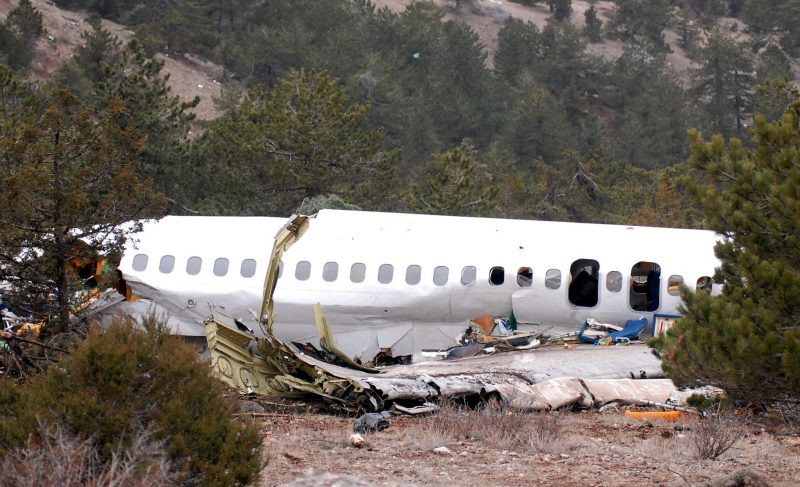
(746, 340)
(562, 9)
(724, 83)
(593, 25)
(454, 183)
(23, 28)
(641, 19)
(27, 21)
(537, 125)
(124, 380)
(301, 139)
(69, 180)
(653, 109)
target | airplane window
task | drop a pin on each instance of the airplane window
(221, 266)
(645, 286)
(193, 265)
(584, 276)
(248, 268)
(357, 272)
(525, 276)
(552, 279)
(413, 273)
(704, 284)
(166, 264)
(468, 275)
(140, 262)
(330, 271)
(674, 284)
(614, 281)
(385, 273)
(440, 275)
(303, 270)
(497, 275)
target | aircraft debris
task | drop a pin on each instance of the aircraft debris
(538, 379)
(371, 422)
(608, 334)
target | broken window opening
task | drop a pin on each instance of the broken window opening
(221, 267)
(330, 271)
(614, 281)
(248, 268)
(140, 262)
(552, 279)
(497, 276)
(358, 272)
(413, 274)
(674, 284)
(525, 277)
(440, 275)
(166, 264)
(303, 270)
(583, 287)
(468, 275)
(645, 286)
(704, 283)
(385, 273)
(193, 265)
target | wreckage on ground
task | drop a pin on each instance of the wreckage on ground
(525, 377)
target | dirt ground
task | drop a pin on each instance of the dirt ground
(596, 449)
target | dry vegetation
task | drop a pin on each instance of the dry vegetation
(492, 446)
(55, 457)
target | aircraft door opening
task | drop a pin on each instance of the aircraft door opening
(583, 289)
(645, 286)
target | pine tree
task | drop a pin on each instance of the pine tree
(68, 182)
(300, 140)
(454, 183)
(26, 21)
(725, 83)
(562, 9)
(594, 25)
(642, 19)
(747, 339)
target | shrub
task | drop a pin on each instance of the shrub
(123, 380)
(56, 457)
(714, 435)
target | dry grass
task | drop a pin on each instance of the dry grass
(494, 425)
(716, 434)
(54, 457)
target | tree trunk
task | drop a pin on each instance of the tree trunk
(60, 257)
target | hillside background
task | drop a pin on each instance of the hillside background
(552, 110)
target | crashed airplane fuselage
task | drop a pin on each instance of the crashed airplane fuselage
(403, 283)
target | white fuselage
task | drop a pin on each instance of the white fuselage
(409, 282)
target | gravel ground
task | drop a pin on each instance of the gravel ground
(312, 449)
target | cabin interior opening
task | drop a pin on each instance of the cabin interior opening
(497, 276)
(583, 288)
(525, 277)
(645, 286)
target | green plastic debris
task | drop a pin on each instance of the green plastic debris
(415, 55)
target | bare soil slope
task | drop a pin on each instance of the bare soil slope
(189, 76)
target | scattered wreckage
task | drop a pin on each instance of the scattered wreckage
(520, 369)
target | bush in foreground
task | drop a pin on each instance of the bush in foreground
(124, 380)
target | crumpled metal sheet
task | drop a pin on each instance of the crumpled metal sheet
(525, 379)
